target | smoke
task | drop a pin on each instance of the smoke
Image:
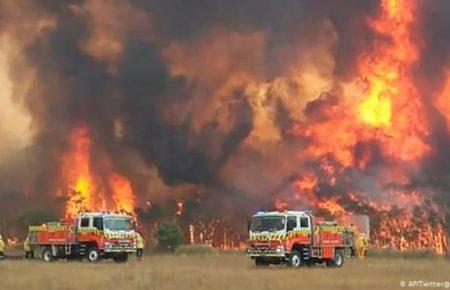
(217, 102)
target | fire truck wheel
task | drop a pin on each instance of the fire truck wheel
(93, 255)
(47, 255)
(338, 260)
(295, 259)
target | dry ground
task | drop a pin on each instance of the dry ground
(217, 271)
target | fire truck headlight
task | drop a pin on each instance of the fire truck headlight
(279, 249)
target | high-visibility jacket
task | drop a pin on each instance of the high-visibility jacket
(361, 246)
(2, 246)
(361, 242)
(26, 246)
(139, 241)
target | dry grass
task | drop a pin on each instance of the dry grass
(217, 271)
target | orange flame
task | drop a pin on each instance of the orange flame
(384, 69)
(391, 98)
(442, 102)
(122, 193)
(332, 206)
(86, 189)
(77, 173)
(392, 114)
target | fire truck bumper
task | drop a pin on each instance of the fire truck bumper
(120, 251)
(112, 248)
(266, 252)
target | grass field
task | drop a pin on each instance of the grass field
(218, 271)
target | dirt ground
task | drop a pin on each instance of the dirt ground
(218, 271)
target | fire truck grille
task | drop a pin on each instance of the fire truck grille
(264, 251)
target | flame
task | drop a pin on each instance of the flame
(389, 113)
(77, 173)
(180, 209)
(12, 242)
(384, 69)
(281, 205)
(391, 98)
(306, 184)
(191, 233)
(332, 206)
(401, 232)
(211, 233)
(122, 193)
(86, 189)
(442, 102)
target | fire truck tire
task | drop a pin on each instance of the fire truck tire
(121, 258)
(295, 259)
(93, 255)
(337, 261)
(47, 255)
(261, 262)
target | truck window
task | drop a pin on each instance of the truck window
(263, 223)
(98, 223)
(304, 223)
(291, 223)
(84, 222)
(118, 224)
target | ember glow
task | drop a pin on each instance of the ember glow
(203, 115)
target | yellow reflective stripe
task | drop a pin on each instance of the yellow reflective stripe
(48, 228)
(336, 228)
(281, 237)
(90, 231)
(299, 232)
(119, 235)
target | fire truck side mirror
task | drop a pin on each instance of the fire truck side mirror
(248, 226)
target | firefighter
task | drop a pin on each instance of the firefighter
(29, 253)
(2, 248)
(361, 245)
(139, 245)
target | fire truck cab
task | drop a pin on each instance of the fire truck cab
(90, 235)
(298, 238)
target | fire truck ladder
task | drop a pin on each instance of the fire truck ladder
(306, 253)
(82, 249)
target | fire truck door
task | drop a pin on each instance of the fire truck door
(305, 224)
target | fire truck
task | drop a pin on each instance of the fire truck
(298, 238)
(90, 235)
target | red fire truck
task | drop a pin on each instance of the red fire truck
(298, 238)
(90, 235)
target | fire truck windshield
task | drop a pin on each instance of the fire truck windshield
(267, 223)
(119, 224)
